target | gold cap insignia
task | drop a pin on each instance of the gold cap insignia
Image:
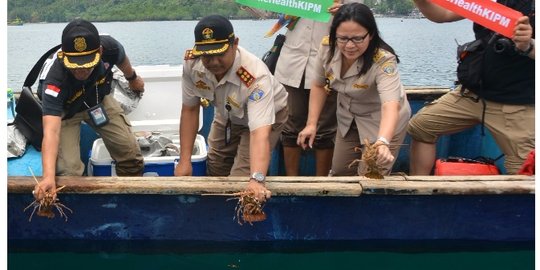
(208, 33)
(79, 44)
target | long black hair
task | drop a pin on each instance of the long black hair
(362, 15)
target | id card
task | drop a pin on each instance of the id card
(98, 115)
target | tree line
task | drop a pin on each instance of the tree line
(152, 10)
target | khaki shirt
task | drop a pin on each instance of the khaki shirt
(360, 98)
(254, 96)
(299, 52)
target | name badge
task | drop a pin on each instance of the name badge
(98, 115)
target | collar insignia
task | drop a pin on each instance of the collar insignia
(202, 85)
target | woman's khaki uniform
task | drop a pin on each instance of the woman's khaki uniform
(359, 104)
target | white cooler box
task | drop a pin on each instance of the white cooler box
(157, 112)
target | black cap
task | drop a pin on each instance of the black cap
(213, 34)
(80, 45)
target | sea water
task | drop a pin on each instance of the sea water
(499, 260)
(427, 50)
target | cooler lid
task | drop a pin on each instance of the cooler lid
(161, 105)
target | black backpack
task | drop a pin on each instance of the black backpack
(29, 111)
(270, 58)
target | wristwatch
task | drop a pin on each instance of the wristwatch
(132, 77)
(258, 176)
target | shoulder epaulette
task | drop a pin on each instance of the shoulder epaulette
(245, 76)
(378, 55)
(325, 41)
(189, 55)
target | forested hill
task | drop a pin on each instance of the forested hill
(120, 10)
(35, 11)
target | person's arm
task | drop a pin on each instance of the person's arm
(259, 159)
(523, 37)
(317, 98)
(136, 83)
(435, 12)
(387, 126)
(189, 124)
(49, 153)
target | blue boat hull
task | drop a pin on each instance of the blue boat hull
(463, 218)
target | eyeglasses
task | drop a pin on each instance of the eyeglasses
(355, 40)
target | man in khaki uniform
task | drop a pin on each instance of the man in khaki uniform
(295, 70)
(250, 105)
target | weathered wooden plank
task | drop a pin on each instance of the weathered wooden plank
(447, 188)
(281, 186)
(184, 185)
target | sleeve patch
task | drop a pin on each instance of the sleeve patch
(52, 90)
(389, 68)
(256, 95)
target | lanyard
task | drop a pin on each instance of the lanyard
(228, 125)
(97, 96)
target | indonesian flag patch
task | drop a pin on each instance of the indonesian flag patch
(52, 90)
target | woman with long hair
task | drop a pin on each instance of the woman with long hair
(355, 62)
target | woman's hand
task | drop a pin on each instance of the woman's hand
(384, 156)
(306, 137)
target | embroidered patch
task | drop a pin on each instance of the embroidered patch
(256, 95)
(202, 85)
(360, 86)
(245, 76)
(52, 90)
(389, 68)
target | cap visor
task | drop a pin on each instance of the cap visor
(210, 49)
(86, 61)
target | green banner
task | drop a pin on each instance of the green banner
(310, 9)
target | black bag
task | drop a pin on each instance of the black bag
(28, 118)
(270, 58)
(29, 111)
(470, 64)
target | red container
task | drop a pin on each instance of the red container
(463, 166)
